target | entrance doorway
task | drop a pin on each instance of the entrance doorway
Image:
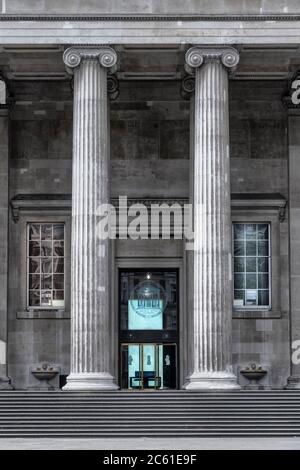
(148, 334)
(148, 366)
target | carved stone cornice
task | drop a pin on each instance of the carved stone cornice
(106, 56)
(263, 202)
(196, 56)
(63, 202)
(40, 202)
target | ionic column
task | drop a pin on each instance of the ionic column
(210, 364)
(4, 210)
(90, 331)
(293, 115)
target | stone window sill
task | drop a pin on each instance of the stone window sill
(43, 314)
(256, 314)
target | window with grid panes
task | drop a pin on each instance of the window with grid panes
(45, 264)
(251, 260)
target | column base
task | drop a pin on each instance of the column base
(87, 381)
(211, 381)
(293, 383)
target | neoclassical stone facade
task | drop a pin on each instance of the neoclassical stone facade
(158, 110)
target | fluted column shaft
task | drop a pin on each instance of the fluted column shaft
(4, 213)
(90, 332)
(210, 361)
(293, 381)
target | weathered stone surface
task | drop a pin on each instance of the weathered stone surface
(294, 218)
(50, 172)
(4, 172)
(210, 365)
(90, 334)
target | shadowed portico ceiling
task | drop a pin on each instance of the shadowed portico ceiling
(151, 62)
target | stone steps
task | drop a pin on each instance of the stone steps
(166, 418)
(79, 413)
(148, 414)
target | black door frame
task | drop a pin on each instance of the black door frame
(148, 338)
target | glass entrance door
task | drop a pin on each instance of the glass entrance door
(148, 366)
(148, 333)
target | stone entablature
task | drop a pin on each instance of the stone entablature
(161, 29)
(145, 7)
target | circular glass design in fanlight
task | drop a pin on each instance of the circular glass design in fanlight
(148, 299)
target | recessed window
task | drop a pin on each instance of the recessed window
(251, 259)
(45, 265)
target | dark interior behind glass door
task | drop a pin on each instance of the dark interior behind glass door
(149, 306)
(147, 366)
(148, 332)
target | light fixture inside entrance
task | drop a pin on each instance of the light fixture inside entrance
(148, 275)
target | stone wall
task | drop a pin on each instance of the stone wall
(147, 127)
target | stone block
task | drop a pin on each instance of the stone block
(268, 139)
(174, 139)
(239, 138)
